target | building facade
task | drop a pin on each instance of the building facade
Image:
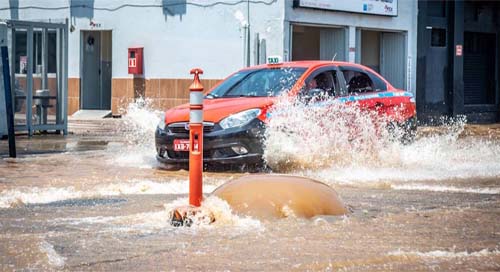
(218, 36)
(458, 60)
(379, 34)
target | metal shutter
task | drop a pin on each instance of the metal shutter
(392, 58)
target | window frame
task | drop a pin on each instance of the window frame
(379, 85)
(37, 46)
(339, 88)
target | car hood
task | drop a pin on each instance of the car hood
(217, 109)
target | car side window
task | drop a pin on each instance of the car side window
(357, 82)
(378, 83)
(325, 83)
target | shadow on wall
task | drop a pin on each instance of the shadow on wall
(173, 8)
(14, 9)
(82, 8)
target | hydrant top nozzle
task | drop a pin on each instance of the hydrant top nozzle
(196, 71)
(196, 85)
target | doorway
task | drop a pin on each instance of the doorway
(479, 68)
(96, 70)
(385, 53)
(318, 43)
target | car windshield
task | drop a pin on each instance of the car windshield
(258, 82)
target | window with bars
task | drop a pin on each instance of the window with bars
(21, 42)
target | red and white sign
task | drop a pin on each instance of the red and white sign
(132, 62)
(458, 50)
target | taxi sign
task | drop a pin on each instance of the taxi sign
(274, 60)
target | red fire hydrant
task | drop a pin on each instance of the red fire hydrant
(185, 215)
(196, 139)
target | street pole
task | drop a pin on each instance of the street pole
(196, 139)
(248, 35)
(8, 101)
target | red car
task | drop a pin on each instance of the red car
(236, 110)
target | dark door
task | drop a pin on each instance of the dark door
(91, 84)
(437, 99)
(479, 68)
(96, 70)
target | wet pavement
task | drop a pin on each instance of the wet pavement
(101, 202)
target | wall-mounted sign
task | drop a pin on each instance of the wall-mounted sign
(377, 7)
(23, 64)
(93, 24)
(132, 63)
(458, 50)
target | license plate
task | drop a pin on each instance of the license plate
(181, 145)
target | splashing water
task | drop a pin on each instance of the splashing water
(138, 127)
(318, 135)
(54, 259)
(148, 222)
(448, 254)
(342, 143)
(36, 195)
(222, 213)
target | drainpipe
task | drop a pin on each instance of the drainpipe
(247, 35)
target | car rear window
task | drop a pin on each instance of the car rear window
(258, 82)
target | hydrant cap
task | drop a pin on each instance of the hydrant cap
(196, 85)
(196, 71)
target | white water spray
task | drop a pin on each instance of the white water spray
(342, 143)
(138, 127)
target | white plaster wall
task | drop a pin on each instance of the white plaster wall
(210, 38)
(405, 21)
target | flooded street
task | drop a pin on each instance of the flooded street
(321, 135)
(101, 203)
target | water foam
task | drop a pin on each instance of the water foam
(221, 211)
(441, 188)
(447, 254)
(54, 259)
(28, 195)
(341, 143)
(35, 195)
(148, 222)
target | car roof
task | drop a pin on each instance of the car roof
(305, 64)
(308, 64)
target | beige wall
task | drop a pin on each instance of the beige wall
(164, 93)
(73, 95)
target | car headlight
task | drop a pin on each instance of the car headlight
(239, 119)
(161, 125)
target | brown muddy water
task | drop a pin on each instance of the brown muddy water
(101, 203)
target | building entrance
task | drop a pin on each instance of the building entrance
(384, 52)
(96, 70)
(318, 43)
(479, 68)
